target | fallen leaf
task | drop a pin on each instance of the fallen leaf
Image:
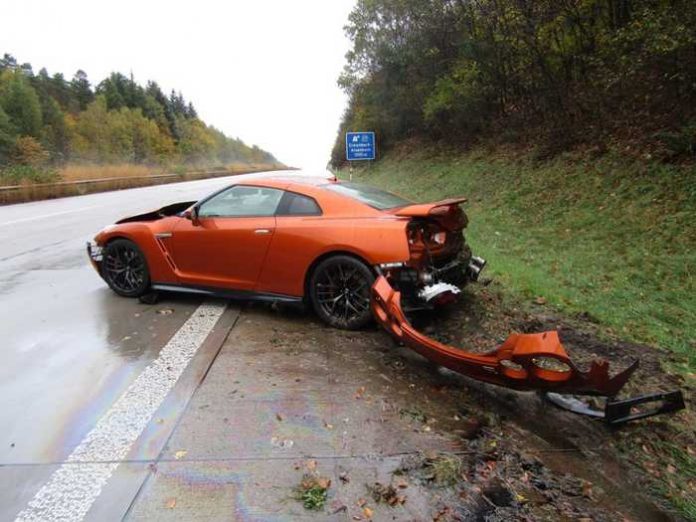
(171, 503)
(180, 454)
(540, 300)
(587, 489)
(279, 417)
(361, 502)
(367, 512)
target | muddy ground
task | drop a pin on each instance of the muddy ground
(514, 456)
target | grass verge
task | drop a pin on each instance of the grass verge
(611, 240)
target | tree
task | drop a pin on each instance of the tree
(8, 136)
(54, 135)
(81, 89)
(20, 102)
(28, 151)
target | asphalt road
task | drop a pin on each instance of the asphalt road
(70, 347)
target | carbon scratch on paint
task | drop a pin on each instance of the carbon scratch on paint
(73, 488)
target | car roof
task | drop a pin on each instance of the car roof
(284, 180)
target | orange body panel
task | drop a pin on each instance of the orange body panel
(514, 364)
(230, 253)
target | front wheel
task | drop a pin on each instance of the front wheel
(124, 268)
(340, 292)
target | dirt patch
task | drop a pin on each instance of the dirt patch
(655, 456)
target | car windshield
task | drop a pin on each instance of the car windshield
(374, 197)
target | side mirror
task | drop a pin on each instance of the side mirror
(192, 214)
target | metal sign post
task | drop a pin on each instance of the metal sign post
(360, 146)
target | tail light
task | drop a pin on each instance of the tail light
(426, 235)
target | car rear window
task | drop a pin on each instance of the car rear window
(297, 205)
(372, 196)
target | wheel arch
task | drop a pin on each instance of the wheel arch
(327, 255)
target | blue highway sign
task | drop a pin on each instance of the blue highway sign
(360, 146)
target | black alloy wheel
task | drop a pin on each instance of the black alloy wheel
(124, 268)
(340, 292)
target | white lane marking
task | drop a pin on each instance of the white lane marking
(73, 488)
(44, 216)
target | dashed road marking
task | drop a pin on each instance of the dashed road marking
(73, 488)
(52, 214)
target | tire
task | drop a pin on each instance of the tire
(124, 268)
(339, 290)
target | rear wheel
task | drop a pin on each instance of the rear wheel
(340, 292)
(124, 268)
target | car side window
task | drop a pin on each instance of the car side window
(294, 204)
(242, 201)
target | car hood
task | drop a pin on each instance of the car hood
(160, 213)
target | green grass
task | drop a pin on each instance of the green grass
(606, 237)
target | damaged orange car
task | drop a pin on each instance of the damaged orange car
(292, 240)
(352, 252)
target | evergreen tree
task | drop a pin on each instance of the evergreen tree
(81, 89)
(21, 103)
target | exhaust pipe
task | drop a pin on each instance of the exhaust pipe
(476, 266)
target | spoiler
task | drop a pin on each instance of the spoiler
(437, 208)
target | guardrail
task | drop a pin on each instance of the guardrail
(37, 191)
(10, 188)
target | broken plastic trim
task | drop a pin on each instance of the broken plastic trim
(620, 411)
(523, 362)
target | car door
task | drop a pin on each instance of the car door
(226, 245)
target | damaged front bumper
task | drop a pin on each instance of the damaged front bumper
(523, 362)
(95, 254)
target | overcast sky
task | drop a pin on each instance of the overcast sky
(261, 70)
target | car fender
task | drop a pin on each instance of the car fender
(159, 264)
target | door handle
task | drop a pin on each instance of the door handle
(262, 231)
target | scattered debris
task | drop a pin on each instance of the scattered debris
(165, 311)
(385, 494)
(445, 469)
(171, 503)
(282, 443)
(414, 414)
(312, 490)
(180, 454)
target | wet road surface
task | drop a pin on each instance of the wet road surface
(71, 347)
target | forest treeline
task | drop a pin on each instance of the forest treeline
(48, 120)
(551, 74)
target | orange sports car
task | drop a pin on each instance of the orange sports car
(293, 239)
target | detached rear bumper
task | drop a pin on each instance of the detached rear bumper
(523, 362)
